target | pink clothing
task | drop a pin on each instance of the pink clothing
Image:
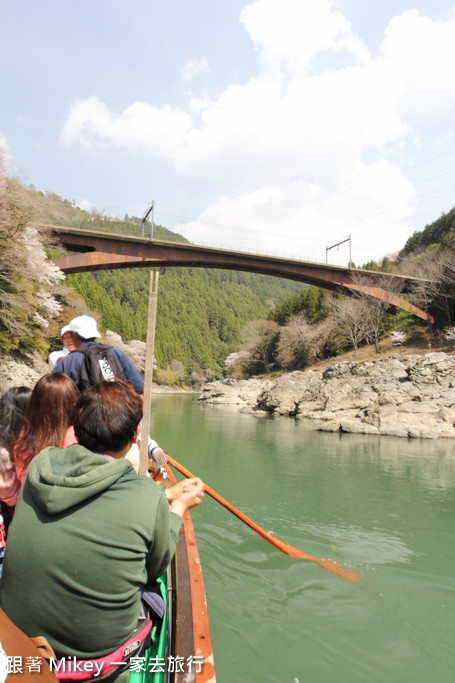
(9, 481)
(20, 471)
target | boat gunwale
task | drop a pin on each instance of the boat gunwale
(192, 629)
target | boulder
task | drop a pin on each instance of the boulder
(283, 397)
(386, 368)
(351, 396)
(338, 370)
(349, 425)
(235, 392)
(433, 368)
(21, 373)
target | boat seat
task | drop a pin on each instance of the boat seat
(24, 652)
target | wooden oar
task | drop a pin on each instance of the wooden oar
(335, 567)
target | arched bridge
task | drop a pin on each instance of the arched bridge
(106, 251)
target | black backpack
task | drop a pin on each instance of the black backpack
(100, 363)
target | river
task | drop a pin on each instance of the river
(382, 505)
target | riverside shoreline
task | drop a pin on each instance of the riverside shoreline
(405, 395)
(27, 371)
(402, 395)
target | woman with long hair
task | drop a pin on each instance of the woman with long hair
(13, 407)
(48, 419)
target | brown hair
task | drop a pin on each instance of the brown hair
(48, 416)
(13, 406)
(106, 416)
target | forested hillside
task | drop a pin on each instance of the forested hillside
(200, 311)
(49, 208)
(441, 233)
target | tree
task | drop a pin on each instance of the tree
(435, 290)
(259, 339)
(312, 301)
(427, 273)
(350, 315)
(135, 349)
(386, 265)
(378, 292)
(293, 348)
(301, 343)
(27, 280)
(444, 291)
(398, 338)
(440, 232)
(242, 358)
(178, 369)
(165, 377)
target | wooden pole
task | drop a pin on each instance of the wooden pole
(148, 374)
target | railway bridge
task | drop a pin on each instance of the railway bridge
(107, 251)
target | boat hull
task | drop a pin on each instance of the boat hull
(190, 640)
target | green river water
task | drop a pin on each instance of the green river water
(385, 506)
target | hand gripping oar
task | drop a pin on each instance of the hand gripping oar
(335, 567)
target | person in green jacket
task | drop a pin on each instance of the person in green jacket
(89, 533)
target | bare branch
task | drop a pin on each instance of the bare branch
(378, 292)
(259, 337)
(350, 316)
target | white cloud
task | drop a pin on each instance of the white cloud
(292, 32)
(156, 130)
(85, 205)
(195, 67)
(298, 218)
(419, 55)
(304, 147)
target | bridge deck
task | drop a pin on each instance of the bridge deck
(105, 251)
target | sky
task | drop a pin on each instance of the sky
(275, 126)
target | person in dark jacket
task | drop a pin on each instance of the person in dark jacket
(84, 332)
(89, 533)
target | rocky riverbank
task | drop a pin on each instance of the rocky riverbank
(27, 371)
(24, 372)
(407, 396)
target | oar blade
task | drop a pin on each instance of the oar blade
(341, 570)
(337, 568)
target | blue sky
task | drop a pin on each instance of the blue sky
(276, 125)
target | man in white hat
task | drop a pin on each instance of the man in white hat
(84, 330)
(68, 346)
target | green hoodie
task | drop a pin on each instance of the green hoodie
(86, 536)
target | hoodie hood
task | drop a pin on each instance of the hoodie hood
(61, 478)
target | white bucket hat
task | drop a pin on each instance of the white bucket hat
(67, 328)
(84, 326)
